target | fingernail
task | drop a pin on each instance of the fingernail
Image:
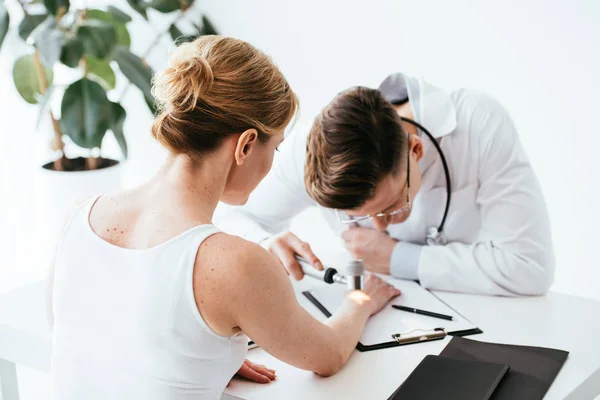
(319, 265)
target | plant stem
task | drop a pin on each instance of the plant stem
(92, 162)
(57, 142)
(84, 64)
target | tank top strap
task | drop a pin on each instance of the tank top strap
(193, 241)
(78, 219)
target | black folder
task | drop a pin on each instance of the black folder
(532, 369)
(442, 378)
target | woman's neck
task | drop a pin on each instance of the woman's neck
(194, 186)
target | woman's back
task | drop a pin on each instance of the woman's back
(126, 324)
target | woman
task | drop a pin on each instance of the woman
(150, 300)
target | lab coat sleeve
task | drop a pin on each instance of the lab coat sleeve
(405, 259)
(276, 200)
(513, 253)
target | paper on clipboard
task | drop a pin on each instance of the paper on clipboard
(390, 321)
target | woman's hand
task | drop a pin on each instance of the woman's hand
(379, 292)
(255, 372)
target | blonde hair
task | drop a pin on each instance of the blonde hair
(217, 86)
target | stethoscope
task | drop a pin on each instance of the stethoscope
(435, 235)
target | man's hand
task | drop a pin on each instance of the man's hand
(285, 246)
(256, 373)
(373, 247)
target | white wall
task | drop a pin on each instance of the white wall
(540, 58)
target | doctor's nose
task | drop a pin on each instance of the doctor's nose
(381, 223)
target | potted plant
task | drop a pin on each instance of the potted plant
(93, 44)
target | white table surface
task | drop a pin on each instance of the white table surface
(556, 320)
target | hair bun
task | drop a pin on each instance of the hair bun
(188, 77)
(215, 87)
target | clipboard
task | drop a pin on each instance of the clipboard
(433, 329)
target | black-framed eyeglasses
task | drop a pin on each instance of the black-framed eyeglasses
(349, 219)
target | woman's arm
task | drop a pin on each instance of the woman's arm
(251, 291)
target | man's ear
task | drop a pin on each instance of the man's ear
(245, 144)
(416, 146)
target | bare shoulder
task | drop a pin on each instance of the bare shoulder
(233, 255)
(230, 274)
(232, 264)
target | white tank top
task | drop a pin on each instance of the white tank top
(126, 325)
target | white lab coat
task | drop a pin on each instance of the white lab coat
(497, 230)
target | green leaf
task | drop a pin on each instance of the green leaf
(102, 72)
(71, 52)
(118, 15)
(123, 37)
(54, 6)
(139, 6)
(135, 69)
(99, 38)
(99, 15)
(29, 23)
(207, 27)
(4, 22)
(166, 6)
(175, 32)
(185, 39)
(26, 78)
(116, 126)
(85, 113)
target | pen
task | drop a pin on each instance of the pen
(422, 312)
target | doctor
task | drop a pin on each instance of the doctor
(467, 216)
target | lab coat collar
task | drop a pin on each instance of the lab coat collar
(432, 106)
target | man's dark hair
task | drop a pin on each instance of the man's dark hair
(354, 142)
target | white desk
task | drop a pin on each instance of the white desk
(545, 321)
